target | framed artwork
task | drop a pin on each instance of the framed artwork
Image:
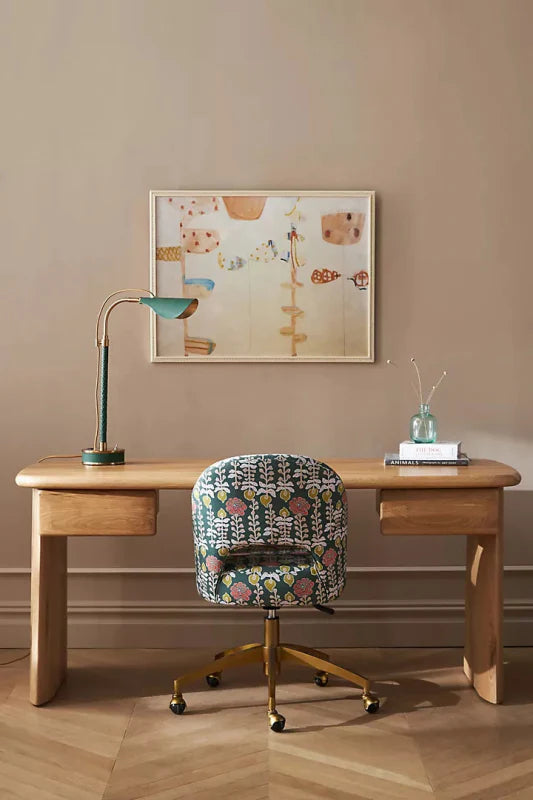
(280, 276)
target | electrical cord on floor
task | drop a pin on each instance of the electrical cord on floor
(18, 658)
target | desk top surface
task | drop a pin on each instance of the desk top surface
(356, 473)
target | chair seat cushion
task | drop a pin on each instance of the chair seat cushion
(268, 575)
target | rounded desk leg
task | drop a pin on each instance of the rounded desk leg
(483, 656)
(48, 611)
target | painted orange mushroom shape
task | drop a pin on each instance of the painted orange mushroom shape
(345, 227)
(244, 207)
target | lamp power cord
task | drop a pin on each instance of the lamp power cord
(12, 661)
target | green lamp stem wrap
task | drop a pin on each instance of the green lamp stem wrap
(102, 421)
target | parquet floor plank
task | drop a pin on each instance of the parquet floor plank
(10, 673)
(64, 750)
(109, 735)
(474, 750)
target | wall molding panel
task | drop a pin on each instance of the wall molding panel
(381, 606)
(190, 570)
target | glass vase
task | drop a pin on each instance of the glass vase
(423, 426)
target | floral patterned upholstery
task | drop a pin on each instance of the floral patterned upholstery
(269, 531)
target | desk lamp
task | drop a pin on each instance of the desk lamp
(166, 307)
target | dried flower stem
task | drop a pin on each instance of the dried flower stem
(434, 388)
(418, 389)
(413, 387)
(413, 362)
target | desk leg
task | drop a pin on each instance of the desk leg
(48, 611)
(483, 656)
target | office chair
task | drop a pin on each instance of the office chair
(270, 531)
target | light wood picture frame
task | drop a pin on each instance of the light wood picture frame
(281, 276)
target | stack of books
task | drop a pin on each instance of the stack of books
(417, 454)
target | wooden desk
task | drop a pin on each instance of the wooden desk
(72, 500)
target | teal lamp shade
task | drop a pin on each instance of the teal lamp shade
(171, 307)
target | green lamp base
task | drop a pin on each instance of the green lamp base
(102, 458)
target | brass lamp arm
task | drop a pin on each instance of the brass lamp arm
(105, 339)
(108, 298)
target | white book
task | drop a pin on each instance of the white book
(432, 450)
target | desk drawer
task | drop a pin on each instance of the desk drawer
(79, 513)
(439, 511)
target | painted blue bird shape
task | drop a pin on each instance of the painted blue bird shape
(198, 287)
(234, 263)
(272, 245)
(237, 263)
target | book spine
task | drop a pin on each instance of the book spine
(418, 451)
(425, 462)
(431, 449)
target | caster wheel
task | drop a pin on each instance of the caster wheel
(321, 678)
(177, 705)
(276, 721)
(213, 680)
(371, 703)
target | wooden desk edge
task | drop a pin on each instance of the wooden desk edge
(182, 474)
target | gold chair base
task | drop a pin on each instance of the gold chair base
(271, 654)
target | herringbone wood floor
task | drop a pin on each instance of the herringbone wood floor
(109, 734)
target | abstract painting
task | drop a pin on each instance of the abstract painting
(280, 276)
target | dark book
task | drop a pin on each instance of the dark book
(394, 460)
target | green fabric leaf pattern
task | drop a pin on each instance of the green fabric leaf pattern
(270, 530)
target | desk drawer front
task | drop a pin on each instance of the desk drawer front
(439, 511)
(79, 513)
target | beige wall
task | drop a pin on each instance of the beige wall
(426, 101)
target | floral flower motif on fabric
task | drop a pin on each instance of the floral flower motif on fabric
(270, 530)
(239, 591)
(299, 505)
(303, 587)
(236, 506)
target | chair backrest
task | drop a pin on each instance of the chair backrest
(270, 499)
